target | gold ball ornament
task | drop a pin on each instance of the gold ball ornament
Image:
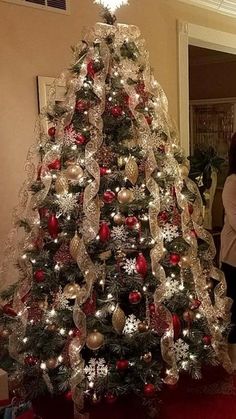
(131, 170)
(184, 170)
(121, 161)
(118, 319)
(125, 196)
(118, 219)
(142, 327)
(71, 291)
(74, 246)
(94, 340)
(147, 358)
(61, 184)
(74, 172)
(210, 284)
(51, 363)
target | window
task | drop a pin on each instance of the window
(52, 5)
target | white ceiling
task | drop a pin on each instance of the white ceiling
(227, 7)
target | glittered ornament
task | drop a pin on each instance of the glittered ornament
(118, 319)
(80, 139)
(52, 131)
(122, 364)
(95, 340)
(118, 219)
(53, 226)
(81, 105)
(74, 172)
(147, 358)
(105, 156)
(194, 304)
(63, 255)
(104, 232)
(61, 184)
(125, 196)
(74, 246)
(163, 216)
(51, 363)
(135, 297)
(176, 326)
(30, 360)
(39, 275)
(141, 265)
(149, 390)
(143, 327)
(89, 307)
(131, 170)
(207, 340)
(174, 259)
(71, 291)
(91, 69)
(131, 222)
(55, 165)
(116, 111)
(109, 197)
(110, 398)
(9, 310)
(104, 171)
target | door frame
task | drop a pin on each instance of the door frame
(199, 36)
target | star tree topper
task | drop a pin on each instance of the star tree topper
(111, 5)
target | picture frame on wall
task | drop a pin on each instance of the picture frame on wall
(44, 85)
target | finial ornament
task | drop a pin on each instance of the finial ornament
(111, 5)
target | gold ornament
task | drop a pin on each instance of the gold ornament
(118, 319)
(74, 246)
(95, 340)
(184, 170)
(147, 358)
(71, 291)
(61, 184)
(142, 327)
(51, 363)
(131, 170)
(74, 172)
(121, 161)
(118, 219)
(125, 196)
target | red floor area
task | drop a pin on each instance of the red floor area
(212, 398)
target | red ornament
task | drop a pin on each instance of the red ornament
(68, 395)
(80, 139)
(195, 304)
(53, 226)
(174, 259)
(89, 307)
(39, 275)
(43, 213)
(103, 171)
(176, 326)
(207, 340)
(135, 297)
(126, 99)
(141, 265)
(116, 111)
(55, 165)
(140, 88)
(76, 333)
(148, 119)
(190, 209)
(163, 216)
(52, 131)
(152, 308)
(131, 222)
(122, 364)
(149, 390)
(90, 69)
(30, 360)
(8, 310)
(104, 232)
(110, 398)
(81, 105)
(108, 197)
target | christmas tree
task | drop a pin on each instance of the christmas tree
(117, 291)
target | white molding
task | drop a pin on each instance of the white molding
(191, 34)
(220, 6)
(212, 101)
(41, 6)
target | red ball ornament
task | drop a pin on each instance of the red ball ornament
(163, 216)
(149, 390)
(103, 171)
(30, 360)
(116, 111)
(68, 395)
(108, 197)
(80, 139)
(104, 232)
(8, 310)
(81, 105)
(122, 364)
(53, 226)
(135, 297)
(39, 275)
(131, 222)
(90, 69)
(148, 119)
(207, 340)
(141, 265)
(55, 165)
(110, 398)
(52, 131)
(176, 326)
(174, 259)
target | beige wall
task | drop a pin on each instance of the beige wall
(35, 42)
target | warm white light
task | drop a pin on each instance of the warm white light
(111, 5)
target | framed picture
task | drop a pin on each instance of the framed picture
(44, 84)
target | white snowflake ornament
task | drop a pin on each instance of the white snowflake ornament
(181, 350)
(119, 233)
(131, 325)
(111, 5)
(69, 135)
(170, 232)
(61, 301)
(96, 368)
(172, 287)
(130, 266)
(67, 203)
(139, 193)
